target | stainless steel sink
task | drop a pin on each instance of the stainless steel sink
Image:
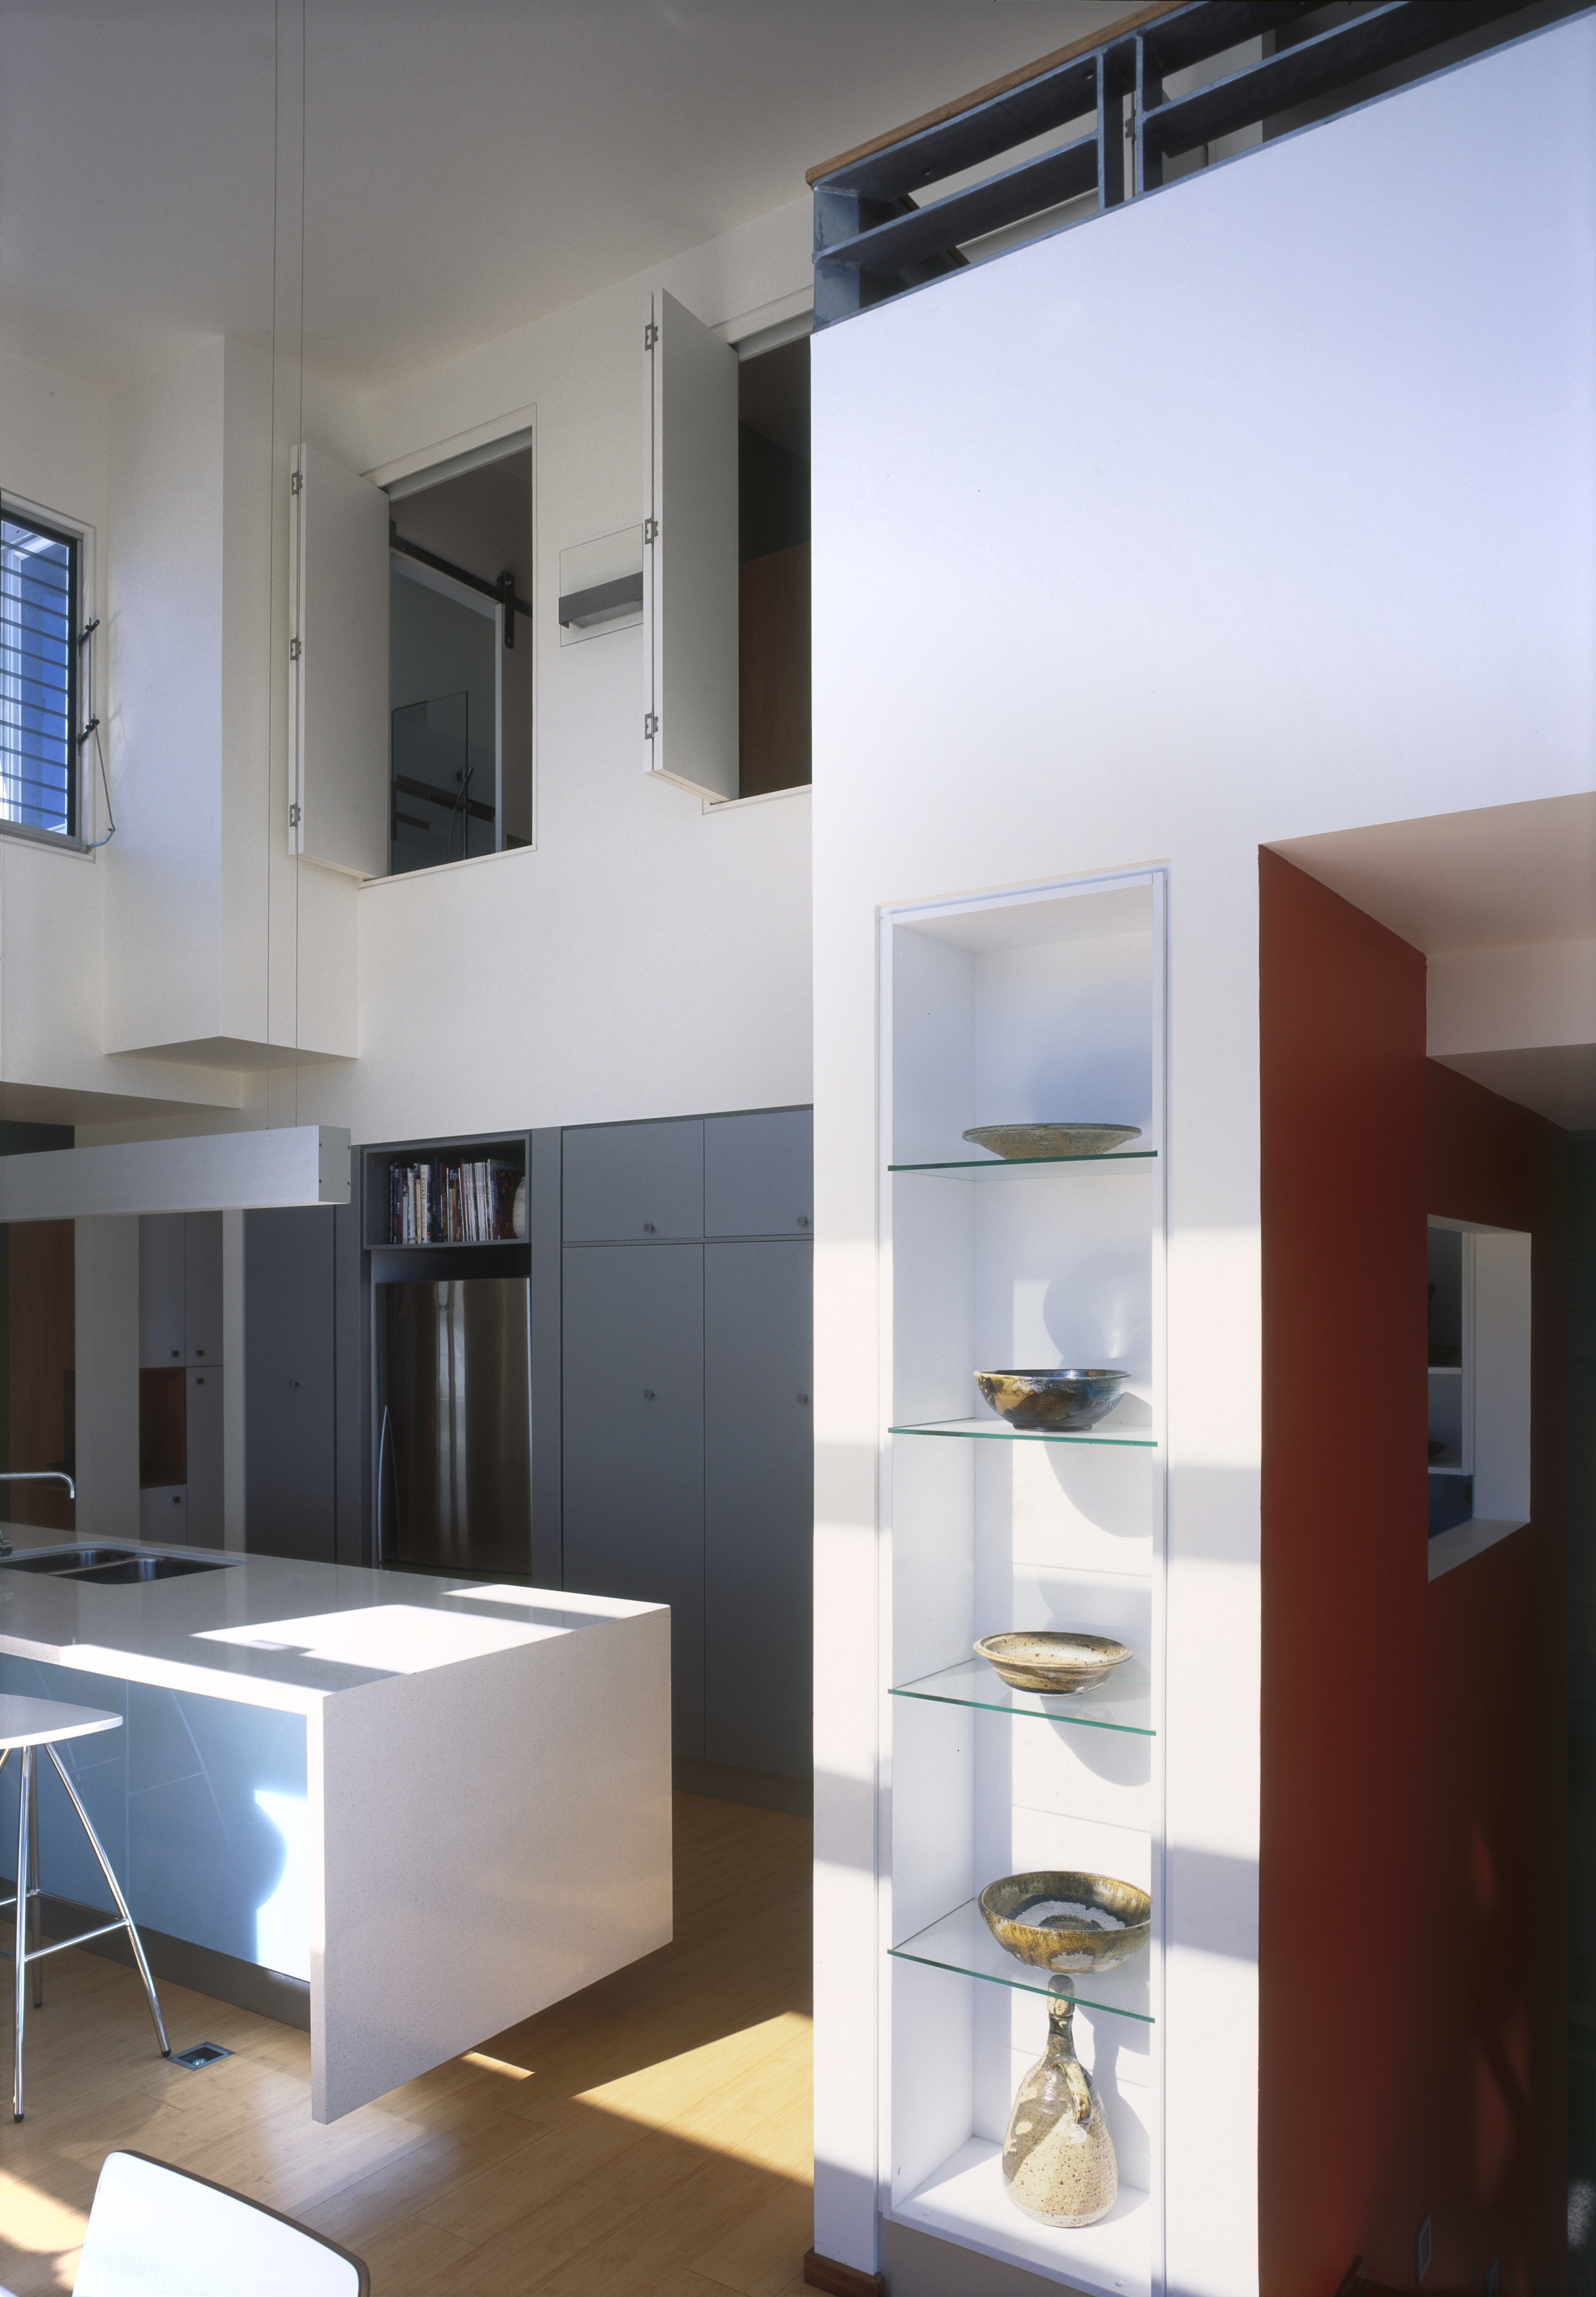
(111, 1567)
(134, 1569)
(59, 1560)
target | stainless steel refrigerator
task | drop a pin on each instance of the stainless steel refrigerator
(454, 1481)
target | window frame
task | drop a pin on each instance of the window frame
(77, 538)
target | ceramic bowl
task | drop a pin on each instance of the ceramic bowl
(1017, 1142)
(1067, 1921)
(1050, 1661)
(1067, 1398)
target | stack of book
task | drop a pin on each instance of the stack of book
(449, 1201)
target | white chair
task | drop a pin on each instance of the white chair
(157, 2231)
(27, 1725)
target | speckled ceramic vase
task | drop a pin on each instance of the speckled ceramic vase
(1058, 2162)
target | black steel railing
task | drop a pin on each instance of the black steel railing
(873, 238)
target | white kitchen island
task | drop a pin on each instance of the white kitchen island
(444, 1805)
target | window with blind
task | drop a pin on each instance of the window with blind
(38, 677)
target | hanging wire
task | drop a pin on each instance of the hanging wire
(299, 435)
(271, 531)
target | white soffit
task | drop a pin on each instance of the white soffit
(1500, 876)
(205, 1171)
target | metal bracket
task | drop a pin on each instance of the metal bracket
(651, 529)
(650, 725)
(296, 483)
(293, 816)
(294, 649)
(651, 335)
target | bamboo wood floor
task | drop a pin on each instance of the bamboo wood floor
(650, 2137)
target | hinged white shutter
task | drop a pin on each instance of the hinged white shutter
(338, 668)
(690, 562)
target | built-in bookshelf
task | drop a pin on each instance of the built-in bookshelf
(446, 1195)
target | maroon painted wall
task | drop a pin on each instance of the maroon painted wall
(1412, 1950)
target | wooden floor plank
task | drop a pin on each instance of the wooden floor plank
(652, 2134)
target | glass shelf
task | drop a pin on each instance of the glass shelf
(970, 1168)
(1123, 1701)
(961, 1942)
(1000, 1431)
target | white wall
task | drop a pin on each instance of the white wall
(1259, 507)
(643, 957)
(646, 956)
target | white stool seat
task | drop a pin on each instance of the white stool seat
(40, 1722)
(155, 2231)
(27, 1727)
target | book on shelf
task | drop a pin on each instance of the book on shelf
(457, 1200)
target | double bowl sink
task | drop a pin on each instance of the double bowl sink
(110, 1567)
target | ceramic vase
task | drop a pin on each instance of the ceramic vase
(1058, 2159)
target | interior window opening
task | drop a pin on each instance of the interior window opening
(773, 547)
(460, 664)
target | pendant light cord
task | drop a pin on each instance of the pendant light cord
(271, 531)
(299, 435)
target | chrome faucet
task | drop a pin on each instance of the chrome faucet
(37, 1475)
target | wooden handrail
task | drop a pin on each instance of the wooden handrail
(950, 110)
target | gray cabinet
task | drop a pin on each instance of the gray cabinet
(203, 1411)
(632, 1381)
(163, 1306)
(203, 1287)
(758, 1172)
(626, 1182)
(179, 1290)
(290, 1417)
(758, 1505)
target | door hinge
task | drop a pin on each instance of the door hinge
(651, 529)
(296, 483)
(650, 725)
(293, 649)
(293, 816)
(651, 335)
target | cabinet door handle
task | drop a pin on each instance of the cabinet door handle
(803, 1220)
(803, 1399)
(648, 1228)
(294, 1383)
(649, 1396)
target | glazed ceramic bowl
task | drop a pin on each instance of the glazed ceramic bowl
(1067, 1398)
(1018, 1143)
(1048, 1660)
(1066, 1921)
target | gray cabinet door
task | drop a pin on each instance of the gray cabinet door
(625, 1182)
(204, 1406)
(203, 1287)
(632, 1382)
(290, 1488)
(759, 1505)
(161, 1283)
(758, 1172)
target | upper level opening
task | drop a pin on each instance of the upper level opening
(460, 655)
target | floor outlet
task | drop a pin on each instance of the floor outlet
(203, 2053)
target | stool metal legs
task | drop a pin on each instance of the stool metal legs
(29, 1952)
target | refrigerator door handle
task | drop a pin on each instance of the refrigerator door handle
(381, 1457)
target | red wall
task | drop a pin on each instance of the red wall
(1412, 1950)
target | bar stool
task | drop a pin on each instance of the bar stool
(27, 1725)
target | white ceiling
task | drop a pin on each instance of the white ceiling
(1497, 876)
(469, 164)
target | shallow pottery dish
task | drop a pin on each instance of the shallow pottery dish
(1068, 1397)
(1048, 1660)
(1057, 1920)
(1017, 1142)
